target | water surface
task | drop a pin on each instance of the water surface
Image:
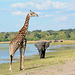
(30, 51)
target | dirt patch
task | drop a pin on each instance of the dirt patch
(67, 69)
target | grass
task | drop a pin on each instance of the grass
(6, 42)
(52, 58)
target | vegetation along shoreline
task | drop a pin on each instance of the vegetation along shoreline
(67, 34)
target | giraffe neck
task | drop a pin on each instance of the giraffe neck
(24, 29)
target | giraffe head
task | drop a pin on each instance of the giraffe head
(32, 14)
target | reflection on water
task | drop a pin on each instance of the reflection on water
(30, 50)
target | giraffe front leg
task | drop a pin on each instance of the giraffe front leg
(24, 47)
(23, 58)
(20, 58)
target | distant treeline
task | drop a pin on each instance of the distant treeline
(67, 34)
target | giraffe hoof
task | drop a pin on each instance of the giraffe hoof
(23, 69)
(20, 69)
(10, 70)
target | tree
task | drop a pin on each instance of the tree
(55, 33)
(50, 32)
(37, 31)
(37, 35)
(67, 34)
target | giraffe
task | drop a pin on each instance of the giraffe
(19, 42)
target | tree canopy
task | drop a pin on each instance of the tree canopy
(67, 34)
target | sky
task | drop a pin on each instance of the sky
(52, 14)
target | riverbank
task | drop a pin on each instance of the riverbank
(65, 42)
(35, 65)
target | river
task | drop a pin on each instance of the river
(30, 51)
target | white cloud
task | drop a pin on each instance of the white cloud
(40, 5)
(45, 5)
(71, 5)
(68, 5)
(47, 15)
(19, 13)
(34, 5)
(58, 5)
(17, 5)
(61, 18)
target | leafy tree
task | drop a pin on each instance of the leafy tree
(37, 31)
(37, 35)
(50, 32)
(67, 34)
(6, 36)
(55, 33)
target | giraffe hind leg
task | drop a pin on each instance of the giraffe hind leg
(20, 58)
(23, 59)
(11, 63)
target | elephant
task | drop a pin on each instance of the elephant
(42, 46)
(61, 40)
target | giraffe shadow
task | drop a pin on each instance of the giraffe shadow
(33, 67)
(39, 65)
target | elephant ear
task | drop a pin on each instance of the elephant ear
(46, 45)
(39, 45)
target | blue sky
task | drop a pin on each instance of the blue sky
(53, 14)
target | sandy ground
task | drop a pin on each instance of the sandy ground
(66, 69)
